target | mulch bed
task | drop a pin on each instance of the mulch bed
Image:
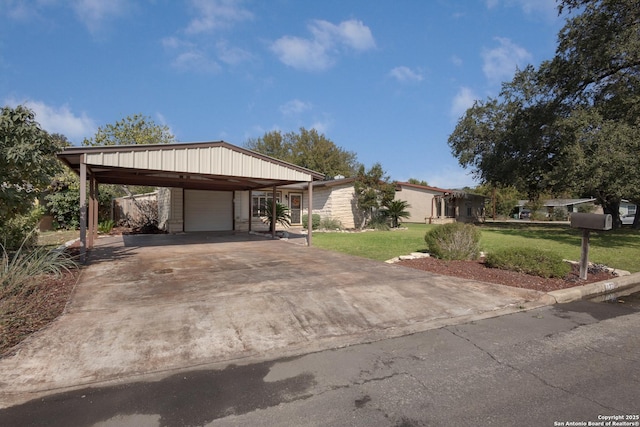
(27, 312)
(477, 270)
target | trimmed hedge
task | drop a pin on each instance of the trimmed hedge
(530, 261)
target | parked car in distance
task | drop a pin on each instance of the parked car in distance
(627, 219)
(525, 214)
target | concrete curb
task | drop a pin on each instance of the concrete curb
(592, 289)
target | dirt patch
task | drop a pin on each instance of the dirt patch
(477, 270)
(27, 312)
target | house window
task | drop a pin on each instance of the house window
(260, 200)
(469, 211)
(632, 209)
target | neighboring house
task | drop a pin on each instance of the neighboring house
(565, 206)
(434, 205)
(627, 208)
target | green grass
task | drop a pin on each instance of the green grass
(616, 248)
(53, 239)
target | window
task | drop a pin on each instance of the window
(469, 211)
(260, 200)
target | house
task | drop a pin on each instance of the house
(558, 208)
(331, 199)
(438, 205)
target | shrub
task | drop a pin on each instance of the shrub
(380, 222)
(455, 241)
(315, 221)
(330, 224)
(19, 230)
(530, 261)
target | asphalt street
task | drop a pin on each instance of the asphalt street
(565, 364)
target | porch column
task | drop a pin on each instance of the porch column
(83, 210)
(309, 212)
(273, 212)
(92, 212)
(250, 209)
(95, 209)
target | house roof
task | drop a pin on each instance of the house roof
(198, 165)
(399, 186)
(559, 202)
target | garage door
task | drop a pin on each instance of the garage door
(208, 210)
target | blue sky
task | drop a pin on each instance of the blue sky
(387, 79)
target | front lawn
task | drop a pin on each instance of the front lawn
(617, 248)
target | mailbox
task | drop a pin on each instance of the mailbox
(588, 221)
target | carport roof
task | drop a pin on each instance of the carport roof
(200, 165)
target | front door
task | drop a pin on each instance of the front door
(295, 208)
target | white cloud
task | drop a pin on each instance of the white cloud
(60, 119)
(463, 100)
(405, 74)
(302, 54)
(500, 63)
(231, 55)
(94, 13)
(327, 41)
(212, 15)
(195, 60)
(456, 60)
(295, 106)
(188, 57)
(321, 126)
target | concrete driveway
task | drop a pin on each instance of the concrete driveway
(149, 305)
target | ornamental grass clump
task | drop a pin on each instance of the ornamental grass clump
(532, 261)
(19, 271)
(455, 241)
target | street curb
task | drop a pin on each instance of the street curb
(592, 289)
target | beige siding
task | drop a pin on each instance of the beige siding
(335, 202)
(203, 160)
(241, 206)
(171, 201)
(421, 201)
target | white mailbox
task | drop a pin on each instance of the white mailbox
(589, 221)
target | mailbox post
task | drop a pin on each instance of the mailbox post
(588, 222)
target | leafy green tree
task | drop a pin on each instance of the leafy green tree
(136, 129)
(505, 199)
(397, 209)
(572, 124)
(307, 149)
(27, 163)
(373, 190)
(131, 130)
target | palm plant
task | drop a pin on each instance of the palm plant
(396, 209)
(282, 215)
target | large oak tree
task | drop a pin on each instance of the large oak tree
(573, 123)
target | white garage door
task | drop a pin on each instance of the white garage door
(208, 210)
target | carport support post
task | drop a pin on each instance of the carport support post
(273, 213)
(584, 255)
(83, 210)
(310, 214)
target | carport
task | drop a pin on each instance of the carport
(213, 166)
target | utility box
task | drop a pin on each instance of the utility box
(588, 221)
